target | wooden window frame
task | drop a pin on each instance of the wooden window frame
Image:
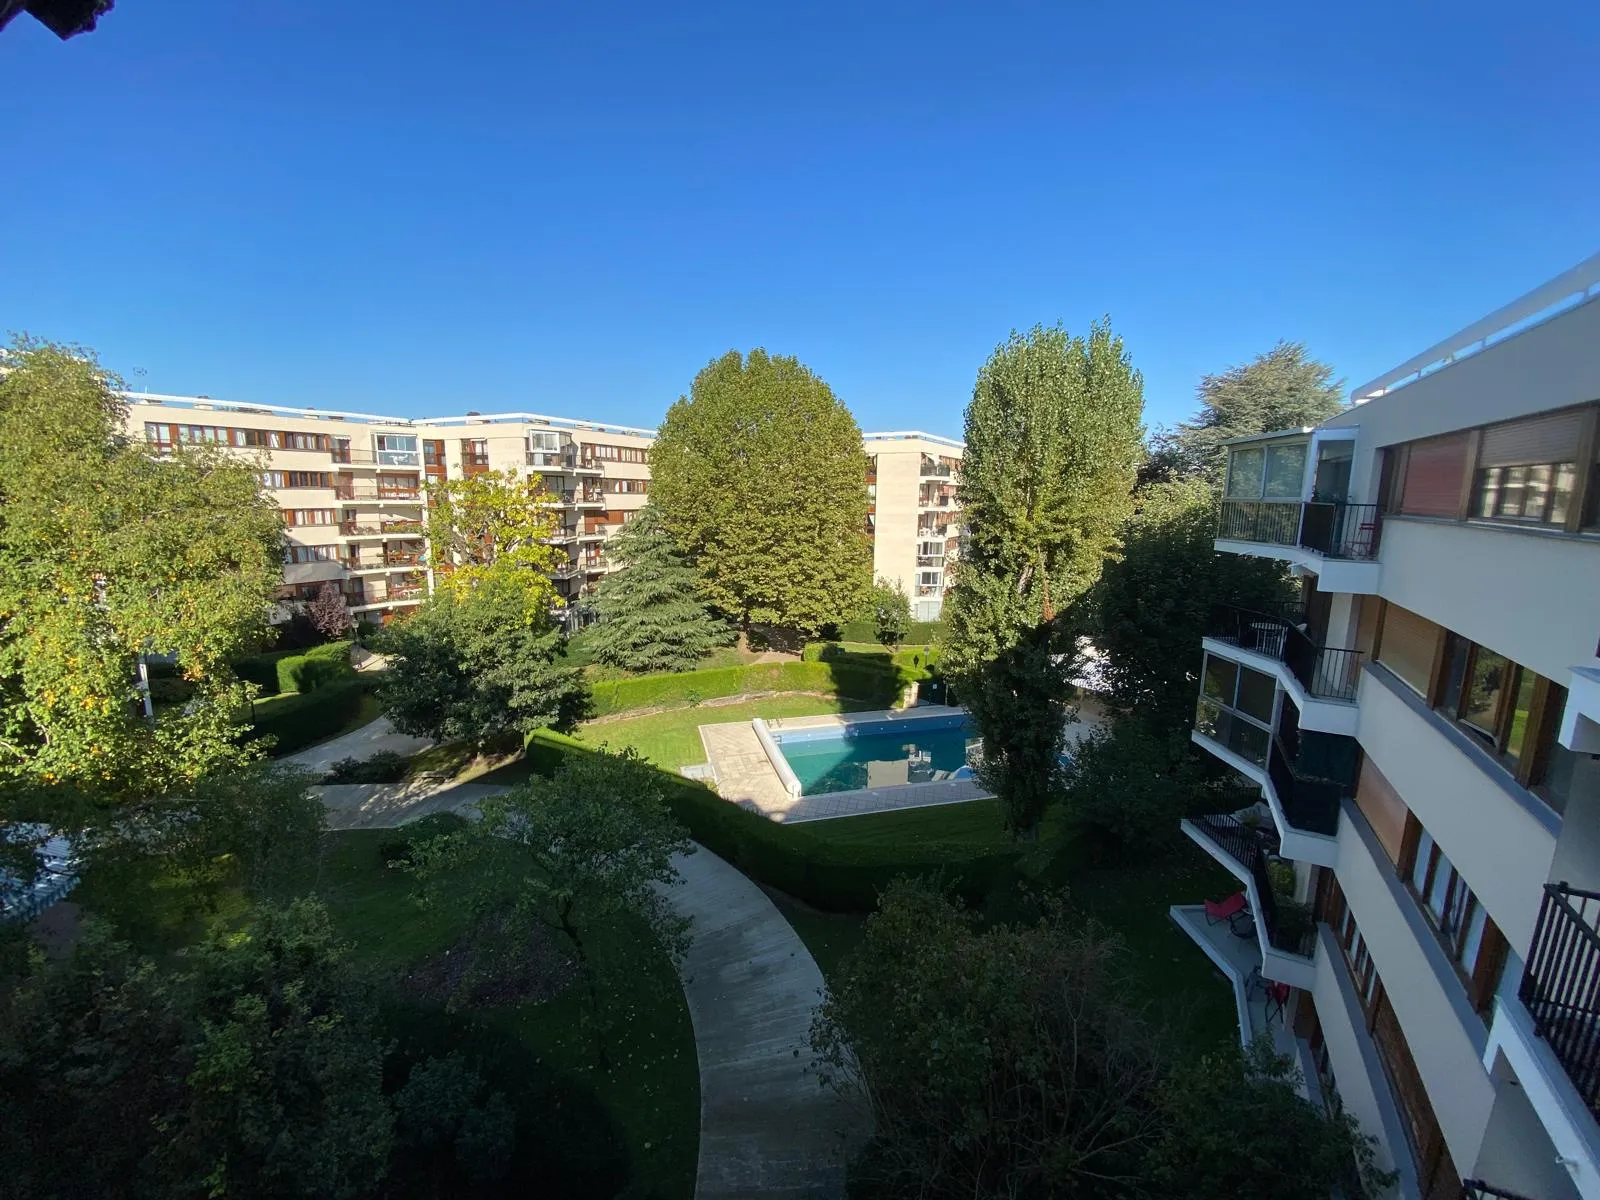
(1483, 978)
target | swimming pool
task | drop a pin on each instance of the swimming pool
(876, 753)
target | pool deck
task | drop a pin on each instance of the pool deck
(745, 776)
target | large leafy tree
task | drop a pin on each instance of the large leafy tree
(108, 551)
(1285, 388)
(492, 524)
(889, 610)
(998, 1062)
(1020, 701)
(477, 664)
(653, 613)
(759, 476)
(1052, 436)
(1151, 605)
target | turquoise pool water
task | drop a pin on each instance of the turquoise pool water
(876, 753)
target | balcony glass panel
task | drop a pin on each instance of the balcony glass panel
(1245, 473)
(1256, 692)
(1220, 679)
(1285, 471)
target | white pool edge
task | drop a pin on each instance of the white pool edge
(786, 775)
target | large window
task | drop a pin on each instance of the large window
(1558, 775)
(396, 450)
(1274, 472)
(1489, 695)
(1235, 708)
(1460, 922)
(296, 479)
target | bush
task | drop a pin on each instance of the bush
(296, 721)
(918, 633)
(874, 682)
(316, 667)
(383, 767)
(397, 847)
(1125, 791)
(261, 670)
(826, 875)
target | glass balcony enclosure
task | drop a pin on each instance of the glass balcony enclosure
(1236, 708)
(397, 450)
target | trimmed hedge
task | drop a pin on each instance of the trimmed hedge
(298, 720)
(858, 680)
(918, 633)
(824, 874)
(280, 671)
(913, 662)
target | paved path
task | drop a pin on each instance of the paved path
(385, 805)
(767, 1126)
(358, 743)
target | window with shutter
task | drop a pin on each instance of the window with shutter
(1407, 645)
(1383, 808)
(1435, 470)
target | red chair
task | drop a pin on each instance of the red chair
(1277, 997)
(1226, 909)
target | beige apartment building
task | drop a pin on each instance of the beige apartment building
(1421, 926)
(912, 514)
(351, 486)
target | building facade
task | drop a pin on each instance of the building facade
(913, 516)
(1421, 926)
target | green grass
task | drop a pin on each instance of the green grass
(829, 936)
(364, 711)
(652, 1084)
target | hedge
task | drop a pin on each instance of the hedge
(824, 874)
(913, 662)
(295, 670)
(918, 633)
(298, 720)
(858, 680)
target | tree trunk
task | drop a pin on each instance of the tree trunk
(593, 985)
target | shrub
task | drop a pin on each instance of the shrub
(315, 668)
(876, 682)
(383, 767)
(397, 847)
(1125, 791)
(296, 721)
(918, 633)
(824, 874)
(261, 670)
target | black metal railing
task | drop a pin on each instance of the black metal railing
(1253, 847)
(1308, 804)
(1561, 984)
(1477, 1189)
(1231, 731)
(1333, 529)
(1324, 671)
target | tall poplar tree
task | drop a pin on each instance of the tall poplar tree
(1053, 443)
(760, 477)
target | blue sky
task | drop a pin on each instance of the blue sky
(571, 208)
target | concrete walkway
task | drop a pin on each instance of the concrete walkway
(767, 1126)
(385, 805)
(358, 743)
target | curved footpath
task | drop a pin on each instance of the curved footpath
(767, 1126)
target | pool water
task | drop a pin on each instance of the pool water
(876, 753)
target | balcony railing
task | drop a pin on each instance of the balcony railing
(1308, 804)
(1252, 847)
(1231, 731)
(352, 493)
(1332, 529)
(936, 471)
(1561, 984)
(1477, 1189)
(1325, 672)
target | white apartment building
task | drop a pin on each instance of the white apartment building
(912, 514)
(1425, 734)
(351, 486)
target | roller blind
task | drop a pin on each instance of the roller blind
(1435, 469)
(1407, 644)
(1548, 439)
(1383, 808)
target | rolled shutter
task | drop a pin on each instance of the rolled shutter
(1435, 469)
(1549, 439)
(1383, 808)
(1407, 646)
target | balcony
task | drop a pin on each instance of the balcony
(935, 470)
(1309, 804)
(1335, 540)
(1561, 985)
(1284, 930)
(373, 495)
(1325, 672)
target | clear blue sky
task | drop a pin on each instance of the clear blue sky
(422, 208)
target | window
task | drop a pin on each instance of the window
(1460, 922)
(1245, 469)
(608, 453)
(1433, 474)
(256, 438)
(1407, 644)
(396, 449)
(296, 479)
(1556, 774)
(158, 435)
(1275, 472)
(433, 453)
(1235, 708)
(309, 516)
(196, 434)
(625, 486)
(305, 441)
(305, 554)
(1491, 697)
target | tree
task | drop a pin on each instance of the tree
(760, 478)
(478, 664)
(890, 610)
(595, 843)
(1282, 389)
(446, 1112)
(653, 614)
(998, 1062)
(1125, 789)
(328, 613)
(1019, 701)
(492, 524)
(1151, 606)
(1233, 1125)
(1052, 437)
(109, 550)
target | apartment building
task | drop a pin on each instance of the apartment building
(912, 514)
(1421, 927)
(351, 487)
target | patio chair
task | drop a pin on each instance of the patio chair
(1226, 909)
(1277, 998)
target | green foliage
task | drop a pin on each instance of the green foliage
(890, 611)
(261, 670)
(998, 1061)
(314, 668)
(252, 1070)
(475, 664)
(1052, 438)
(493, 525)
(760, 478)
(1125, 791)
(918, 633)
(328, 613)
(653, 614)
(295, 721)
(1281, 389)
(445, 1106)
(1232, 1125)
(1019, 702)
(859, 680)
(830, 874)
(107, 550)
(1151, 607)
(383, 767)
